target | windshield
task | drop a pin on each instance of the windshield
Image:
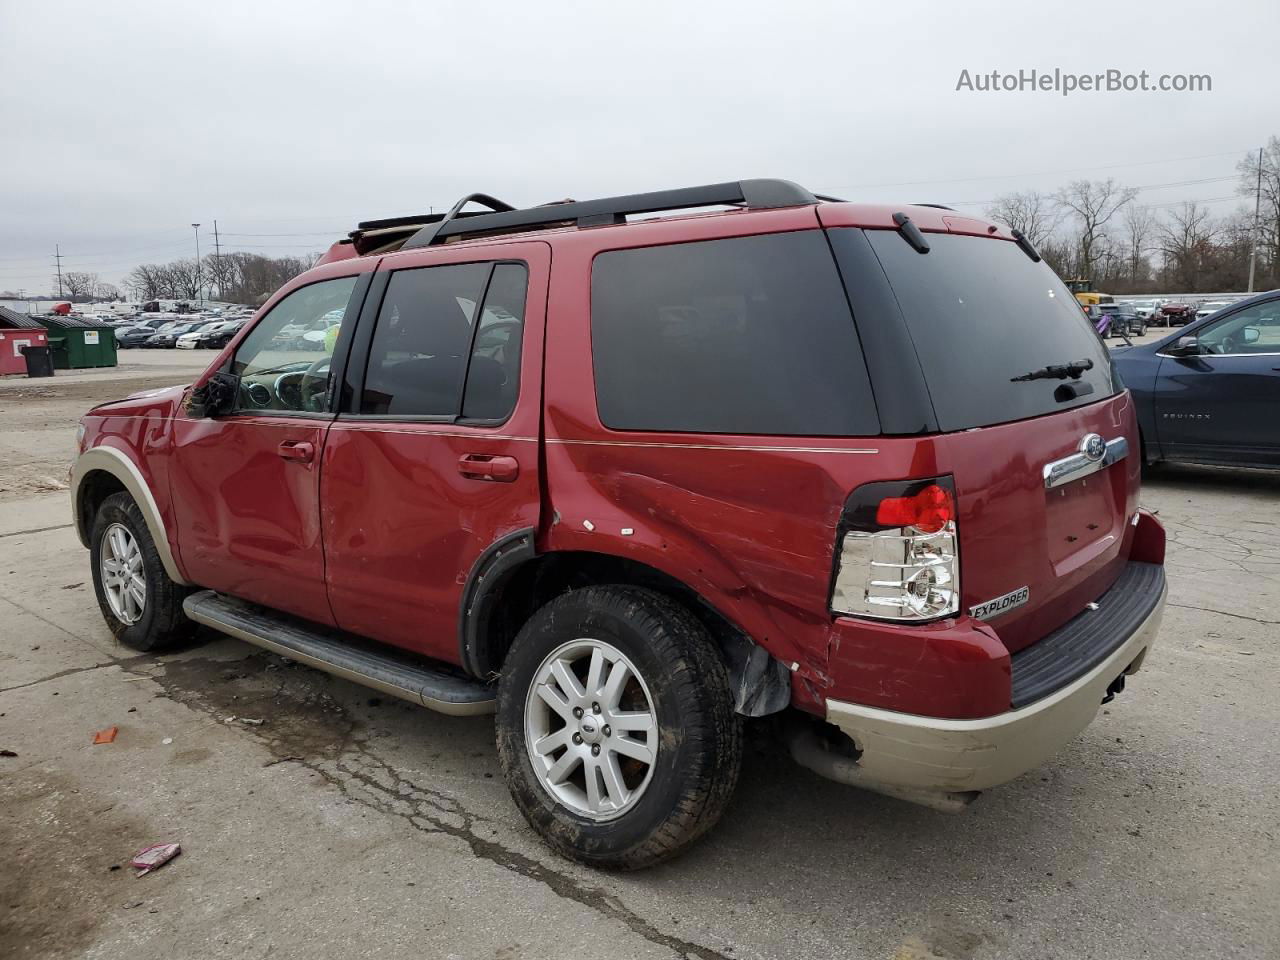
(982, 314)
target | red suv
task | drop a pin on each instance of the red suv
(625, 481)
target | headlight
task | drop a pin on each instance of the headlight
(80, 436)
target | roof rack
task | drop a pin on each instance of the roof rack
(501, 217)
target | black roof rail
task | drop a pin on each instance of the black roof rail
(752, 194)
(936, 206)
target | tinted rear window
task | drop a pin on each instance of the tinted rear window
(747, 335)
(980, 313)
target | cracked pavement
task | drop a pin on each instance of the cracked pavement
(353, 825)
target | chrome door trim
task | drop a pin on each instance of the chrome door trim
(1079, 465)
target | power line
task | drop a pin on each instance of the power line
(317, 233)
(1141, 189)
(1046, 173)
(104, 254)
(1177, 203)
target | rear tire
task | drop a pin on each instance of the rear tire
(694, 744)
(142, 606)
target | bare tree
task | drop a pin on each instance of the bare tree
(106, 291)
(242, 277)
(181, 279)
(1139, 222)
(1031, 213)
(1093, 204)
(220, 272)
(144, 281)
(78, 285)
(1185, 240)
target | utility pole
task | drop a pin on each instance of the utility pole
(57, 256)
(217, 252)
(196, 228)
(1257, 232)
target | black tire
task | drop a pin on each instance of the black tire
(162, 623)
(699, 735)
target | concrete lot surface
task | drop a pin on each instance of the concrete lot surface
(348, 825)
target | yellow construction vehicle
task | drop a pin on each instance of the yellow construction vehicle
(1088, 297)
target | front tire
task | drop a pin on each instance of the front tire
(142, 606)
(616, 729)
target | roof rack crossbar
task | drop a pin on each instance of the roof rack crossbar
(753, 194)
(427, 234)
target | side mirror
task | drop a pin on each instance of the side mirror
(215, 397)
(1185, 347)
(1252, 334)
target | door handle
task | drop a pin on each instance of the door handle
(297, 451)
(476, 466)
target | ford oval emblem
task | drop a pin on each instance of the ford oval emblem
(1093, 447)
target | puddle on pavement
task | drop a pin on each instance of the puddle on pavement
(300, 718)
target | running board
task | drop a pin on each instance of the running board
(438, 687)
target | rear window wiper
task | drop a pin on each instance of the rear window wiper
(1057, 371)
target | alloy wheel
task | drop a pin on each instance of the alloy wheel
(591, 729)
(123, 578)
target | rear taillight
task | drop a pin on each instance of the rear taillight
(899, 552)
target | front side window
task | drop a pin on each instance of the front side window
(432, 357)
(279, 366)
(746, 335)
(1255, 329)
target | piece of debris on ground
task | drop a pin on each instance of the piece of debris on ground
(154, 857)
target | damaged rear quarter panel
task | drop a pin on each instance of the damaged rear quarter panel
(747, 522)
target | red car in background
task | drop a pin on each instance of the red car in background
(625, 482)
(1175, 314)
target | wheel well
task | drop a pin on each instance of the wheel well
(762, 684)
(94, 488)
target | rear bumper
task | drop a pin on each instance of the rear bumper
(918, 753)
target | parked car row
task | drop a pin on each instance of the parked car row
(201, 333)
(1175, 312)
(308, 335)
(210, 336)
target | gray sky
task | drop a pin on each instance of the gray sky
(124, 122)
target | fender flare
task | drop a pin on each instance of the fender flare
(761, 683)
(117, 464)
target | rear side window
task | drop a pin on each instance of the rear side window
(747, 335)
(981, 313)
(429, 355)
(493, 379)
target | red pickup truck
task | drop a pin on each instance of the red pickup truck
(626, 479)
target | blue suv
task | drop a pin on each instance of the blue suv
(1209, 392)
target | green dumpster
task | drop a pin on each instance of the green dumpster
(77, 343)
